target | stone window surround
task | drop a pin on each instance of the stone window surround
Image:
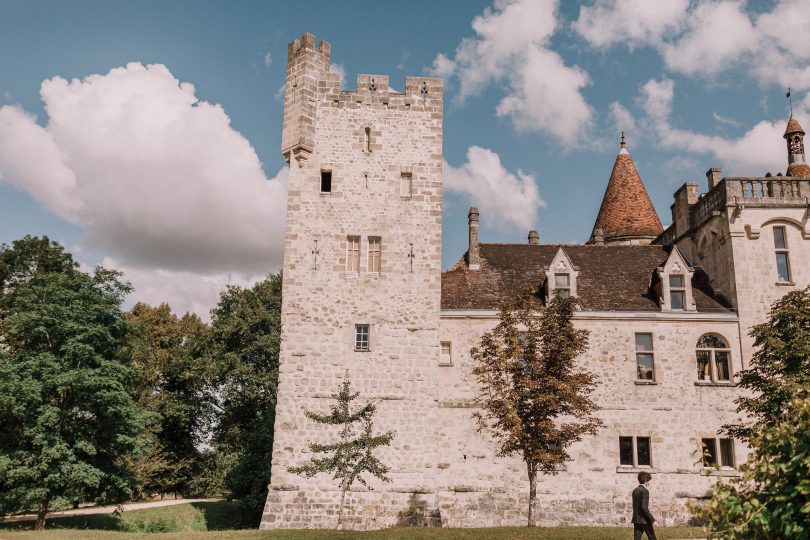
(561, 264)
(362, 269)
(676, 264)
(635, 467)
(651, 352)
(783, 250)
(358, 337)
(449, 345)
(720, 470)
(713, 381)
(406, 180)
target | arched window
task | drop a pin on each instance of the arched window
(713, 359)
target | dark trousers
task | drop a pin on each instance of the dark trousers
(639, 529)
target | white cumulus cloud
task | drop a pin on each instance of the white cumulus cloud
(511, 48)
(509, 201)
(629, 22)
(158, 179)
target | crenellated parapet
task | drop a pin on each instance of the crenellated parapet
(310, 84)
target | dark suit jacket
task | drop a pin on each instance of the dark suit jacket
(641, 509)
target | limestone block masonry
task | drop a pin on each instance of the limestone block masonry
(362, 248)
(365, 167)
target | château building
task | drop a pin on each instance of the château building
(668, 312)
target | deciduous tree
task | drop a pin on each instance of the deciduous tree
(534, 399)
(67, 420)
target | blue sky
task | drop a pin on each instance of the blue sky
(537, 92)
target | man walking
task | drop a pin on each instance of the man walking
(642, 518)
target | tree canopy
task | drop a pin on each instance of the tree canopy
(534, 400)
(67, 418)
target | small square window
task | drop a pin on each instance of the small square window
(326, 181)
(562, 285)
(361, 337)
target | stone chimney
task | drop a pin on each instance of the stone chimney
(685, 197)
(598, 238)
(473, 256)
(713, 175)
(534, 238)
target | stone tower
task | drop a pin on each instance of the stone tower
(362, 282)
(627, 215)
(797, 161)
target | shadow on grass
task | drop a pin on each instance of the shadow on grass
(222, 515)
(99, 522)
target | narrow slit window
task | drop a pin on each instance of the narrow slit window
(782, 254)
(374, 254)
(326, 181)
(367, 140)
(677, 291)
(644, 358)
(406, 185)
(353, 254)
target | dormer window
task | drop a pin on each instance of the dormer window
(562, 285)
(561, 277)
(677, 291)
(674, 283)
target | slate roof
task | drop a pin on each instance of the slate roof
(626, 209)
(611, 278)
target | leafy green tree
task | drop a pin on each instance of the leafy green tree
(353, 453)
(174, 384)
(771, 500)
(244, 345)
(67, 420)
(534, 400)
(780, 368)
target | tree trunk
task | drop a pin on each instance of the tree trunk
(532, 469)
(41, 514)
(340, 510)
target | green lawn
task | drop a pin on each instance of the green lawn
(215, 520)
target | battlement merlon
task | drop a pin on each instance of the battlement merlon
(307, 43)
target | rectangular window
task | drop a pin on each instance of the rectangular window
(782, 257)
(326, 181)
(405, 185)
(635, 451)
(644, 357)
(374, 254)
(626, 450)
(353, 254)
(727, 453)
(361, 337)
(677, 292)
(446, 357)
(562, 285)
(709, 452)
(721, 365)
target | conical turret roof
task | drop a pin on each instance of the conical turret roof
(627, 213)
(793, 126)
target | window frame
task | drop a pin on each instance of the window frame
(352, 254)
(646, 352)
(326, 176)
(679, 290)
(712, 362)
(635, 460)
(449, 361)
(718, 453)
(783, 250)
(373, 246)
(559, 289)
(359, 331)
(405, 180)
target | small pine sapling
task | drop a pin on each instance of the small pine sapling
(353, 453)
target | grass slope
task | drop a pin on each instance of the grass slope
(219, 520)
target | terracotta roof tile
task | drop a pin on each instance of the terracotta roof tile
(793, 126)
(626, 209)
(611, 278)
(799, 170)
